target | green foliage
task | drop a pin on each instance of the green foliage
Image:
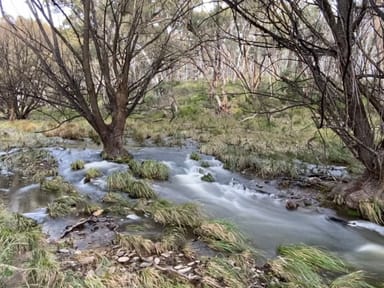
(195, 156)
(77, 165)
(221, 236)
(149, 169)
(208, 178)
(372, 210)
(124, 182)
(204, 164)
(230, 276)
(310, 267)
(69, 204)
(92, 173)
(186, 215)
(57, 186)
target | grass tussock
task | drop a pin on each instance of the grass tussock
(186, 215)
(57, 186)
(31, 163)
(208, 178)
(226, 272)
(372, 210)
(310, 267)
(71, 204)
(195, 156)
(92, 173)
(73, 131)
(221, 236)
(77, 165)
(352, 280)
(149, 169)
(137, 243)
(124, 182)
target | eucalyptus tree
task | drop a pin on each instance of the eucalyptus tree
(21, 86)
(104, 54)
(339, 47)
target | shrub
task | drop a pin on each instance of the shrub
(208, 178)
(195, 156)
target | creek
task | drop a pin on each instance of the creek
(251, 204)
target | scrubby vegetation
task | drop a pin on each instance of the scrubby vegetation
(208, 178)
(77, 165)
(149, 169)
(125, 182)
(310, 267)
(91, 173)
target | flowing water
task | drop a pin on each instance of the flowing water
(251, 204)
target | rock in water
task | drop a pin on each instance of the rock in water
(291, 204)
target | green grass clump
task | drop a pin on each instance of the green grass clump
(149, 169)
(124, 182)
(221, 236)
(70, 204)
(208, 178)
(91, 173)
(77, 165)
(310, 267)
(372, 210)
(119, 181)
(57, 185)
(140, 189)
(195, 156)
(204, 164)
(223, 270)
(186, 215)
(137, 243)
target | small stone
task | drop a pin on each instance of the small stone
(156, 261)
(120, 253)
(191, 263)
(291, 205)
(123, 259)
(145, 264)
(63, 250)
(87, 260)
(181, 255)
(98, 212)
(136, 258)
(147, 259)
(166, 254)
(77, 252)
(185, 270)
(178, 267)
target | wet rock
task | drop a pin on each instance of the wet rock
(178, 267)
(123, 259)
(166, 254)
(64, 251)
(156, 261)
(120, 253)
(291, 204)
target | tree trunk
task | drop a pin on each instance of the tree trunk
(112, 139)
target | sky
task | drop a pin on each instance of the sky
(15, 7)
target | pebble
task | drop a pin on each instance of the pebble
(135, 258)
(191, 263)
(147, 259)
(123, 259)
(156, 261)
(145, 264)
(120, 253)
(185, 270)
(166, 254)
(63, 250)
(178, 267)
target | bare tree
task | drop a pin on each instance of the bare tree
(21, 85)
(342, 76)
(105, 55)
